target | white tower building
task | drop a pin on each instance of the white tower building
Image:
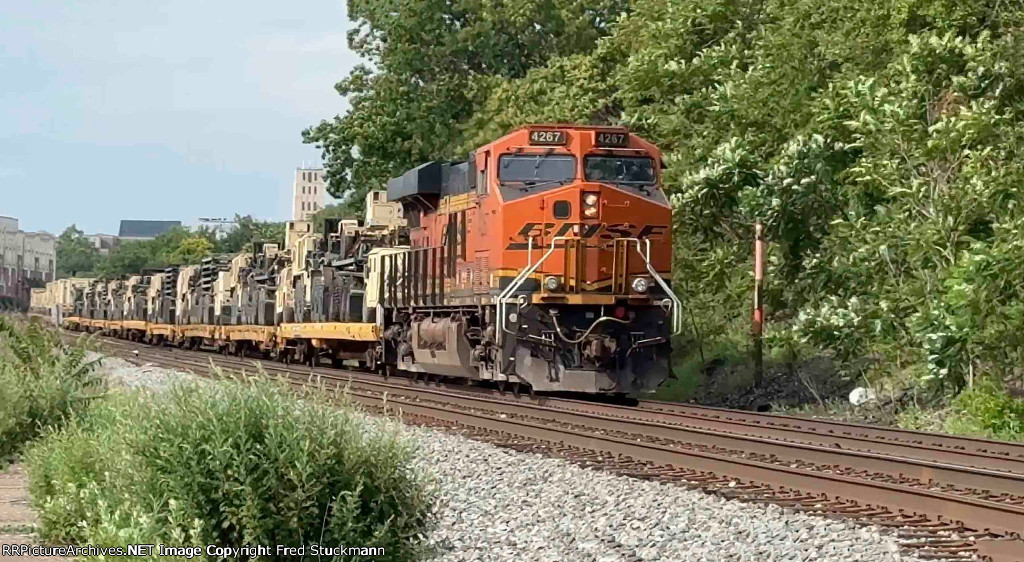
(307, 192)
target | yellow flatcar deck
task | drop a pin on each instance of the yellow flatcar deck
(134, 325)
(197, 331)
(352, 331)
(262, 334)
(160, 329)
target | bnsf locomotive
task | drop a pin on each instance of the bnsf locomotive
(540, 261)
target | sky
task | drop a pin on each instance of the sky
(170, 110)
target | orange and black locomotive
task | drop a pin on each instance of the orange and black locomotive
(542, 260)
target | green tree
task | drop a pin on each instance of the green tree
(247, 231)
(75, 254)
(174, 247)
(128, 258)
(341, 211)
(192, 250)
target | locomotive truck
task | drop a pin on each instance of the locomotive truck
(541, 261)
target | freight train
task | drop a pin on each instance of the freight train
(541, 262)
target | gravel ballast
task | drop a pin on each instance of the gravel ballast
(496, 504)
(499, 504)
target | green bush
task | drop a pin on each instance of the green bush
(42, 382)
(986, 410)
(229, 464)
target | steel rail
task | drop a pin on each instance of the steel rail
(926, 472)
(731, 421)
(973, 512)
(993, 448)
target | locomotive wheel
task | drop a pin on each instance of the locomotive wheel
(501, 386)
(371, 361)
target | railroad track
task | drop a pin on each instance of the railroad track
(953, 498)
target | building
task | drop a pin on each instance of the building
(308, 192)
(103, 243)
(27, 260)
(220, 227)
(144, 230)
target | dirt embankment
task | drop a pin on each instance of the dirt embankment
(17, 520)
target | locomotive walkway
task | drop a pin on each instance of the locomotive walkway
(952, 498)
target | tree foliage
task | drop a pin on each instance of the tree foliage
(75, 254)
(429, 64)
(882, 144)
(249, 230)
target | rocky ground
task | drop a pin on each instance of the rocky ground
(497, 505)
(501, 505)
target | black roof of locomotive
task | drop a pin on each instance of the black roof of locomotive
(430, 180)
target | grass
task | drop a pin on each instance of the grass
(689, 367)
(985, 410)
(230, 463)
(43, 382)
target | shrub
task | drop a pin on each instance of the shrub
(986, 410)
(42, 382)
(229, 464)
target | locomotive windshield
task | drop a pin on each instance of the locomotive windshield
(535, 169)
(630, 170)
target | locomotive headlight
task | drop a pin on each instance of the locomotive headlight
(640, 285)
(590, 201)
(552, 283)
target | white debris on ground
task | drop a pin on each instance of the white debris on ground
(501, 505)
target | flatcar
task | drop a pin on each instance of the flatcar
(542, 261)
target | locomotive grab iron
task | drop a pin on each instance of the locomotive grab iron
(541, 261)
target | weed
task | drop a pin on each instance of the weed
(42, 382)
(986, 410)
(232, 464)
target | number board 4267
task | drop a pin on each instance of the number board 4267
(546, 137)
(603, 138)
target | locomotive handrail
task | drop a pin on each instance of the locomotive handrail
(517, 282)
(676, 304)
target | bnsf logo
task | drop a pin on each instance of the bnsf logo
(598, 231)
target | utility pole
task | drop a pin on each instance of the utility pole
(758, 305)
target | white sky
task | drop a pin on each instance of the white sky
(121, 109)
